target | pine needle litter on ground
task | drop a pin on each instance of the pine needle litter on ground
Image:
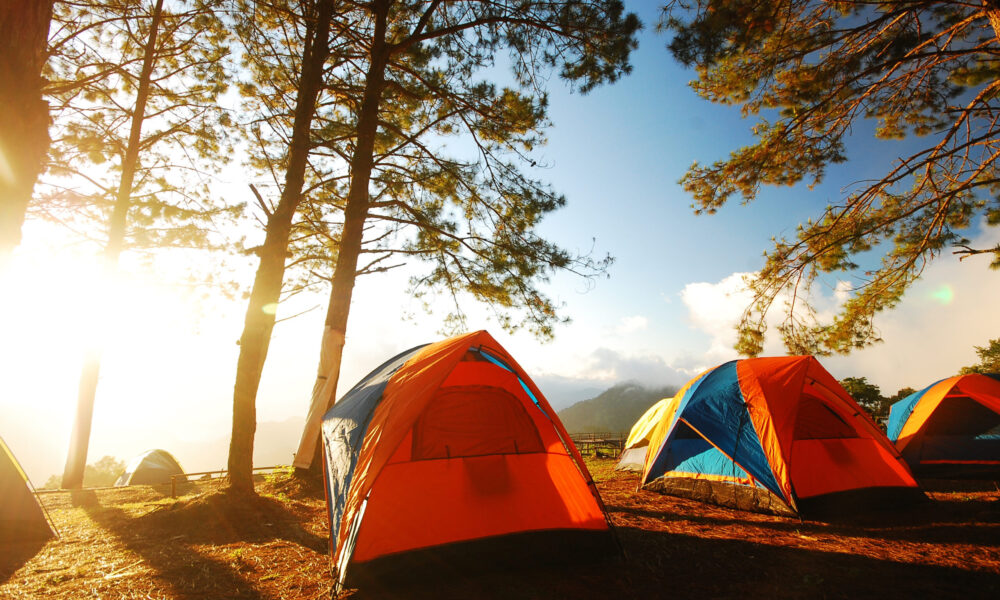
(138, 542)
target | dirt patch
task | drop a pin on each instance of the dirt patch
(141, 543)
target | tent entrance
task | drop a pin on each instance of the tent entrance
(697, 469)
(961, 431)
(474, 421)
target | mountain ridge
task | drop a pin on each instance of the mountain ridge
(615, 409)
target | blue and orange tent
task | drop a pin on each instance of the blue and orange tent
(448, 454)
(951, 427)
(775, 435)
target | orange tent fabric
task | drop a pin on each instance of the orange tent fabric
(955, 421)
(781, 427)
(458, 445)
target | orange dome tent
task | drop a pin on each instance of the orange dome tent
(449, 455)
(776, 435)
(950, 428)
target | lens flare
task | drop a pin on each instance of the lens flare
(944, 294)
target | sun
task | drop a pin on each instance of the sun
(57, 307)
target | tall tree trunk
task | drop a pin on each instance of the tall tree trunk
(24, 116)
(76, 460)
(266, 289)
(345, 272)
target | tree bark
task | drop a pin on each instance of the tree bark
(992, 8)
(345, 271)
(24, 116)
(266, 289)
(76, 460)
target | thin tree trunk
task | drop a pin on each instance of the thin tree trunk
(76, 460)
(266, 289)
(345, 272)
(24, 116)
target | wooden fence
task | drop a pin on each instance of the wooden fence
(599, 444)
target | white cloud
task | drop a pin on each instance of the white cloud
(931, 334)
(715, 309)
(632, 324)
(613, 367)
(928, 336)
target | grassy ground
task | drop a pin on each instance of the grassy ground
(140, 543)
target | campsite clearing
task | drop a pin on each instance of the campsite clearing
(139, 543)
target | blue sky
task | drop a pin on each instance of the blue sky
(666, 312)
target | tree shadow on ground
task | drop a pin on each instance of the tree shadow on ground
(14, 555)
(959, 485)
(662, 564)
(214, 520)
(935, 522)
(83, 498)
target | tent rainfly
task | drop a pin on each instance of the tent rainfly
(950, 428)
(448, 459)
(776, 435)
(21, 517)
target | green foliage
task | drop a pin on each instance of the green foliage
(94, 72)
(861, 390)
(102, 473)
(899, 395)
(469, 210)
(810, 70)
(867, 395)
(989, 359)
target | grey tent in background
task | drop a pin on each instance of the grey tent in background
(150, 468)
(21, 517)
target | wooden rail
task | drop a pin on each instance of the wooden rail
(598, 444)
(173, 481)
(173, 478)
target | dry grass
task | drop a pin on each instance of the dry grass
(139, 543)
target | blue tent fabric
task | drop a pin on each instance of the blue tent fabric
(698, 456)
(506, 367)
(661, 462)
(344, 427)
(716, 409)
(900, 412)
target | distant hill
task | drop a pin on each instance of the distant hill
(615, 409)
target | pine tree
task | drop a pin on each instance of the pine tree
(298, 37)
(135, 89)
(473, 219)
(810, 71)
(989, 359)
